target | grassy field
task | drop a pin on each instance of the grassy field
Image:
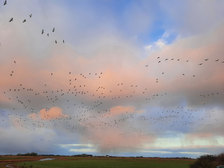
(108, 163)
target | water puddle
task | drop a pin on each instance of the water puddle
(46, 159)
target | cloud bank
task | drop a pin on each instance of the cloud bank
(103, 86)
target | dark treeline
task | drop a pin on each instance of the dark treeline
(27, 154)
(83, 155)
(35, 154)
(209, 161)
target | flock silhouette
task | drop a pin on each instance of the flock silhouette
(85, 105)
(30, 16)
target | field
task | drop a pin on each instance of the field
(93, 162)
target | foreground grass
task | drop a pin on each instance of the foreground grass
(108, 163)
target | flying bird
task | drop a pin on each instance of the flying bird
(5, 2)
(42, 31)
(11, 20)
(30, 15)
(24, 20)
(53, 30)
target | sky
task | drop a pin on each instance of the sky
(112, 77)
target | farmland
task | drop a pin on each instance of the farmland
(93, 162)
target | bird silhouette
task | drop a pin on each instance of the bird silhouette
(11, 20)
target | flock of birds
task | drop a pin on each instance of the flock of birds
(30, 16)
(86, 107)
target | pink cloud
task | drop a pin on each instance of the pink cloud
(51, 114)
(118, 110)
(122, 109)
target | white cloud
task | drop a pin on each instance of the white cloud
(156, 152)
(76, 145)
(83, 150)
(183, 142)
(195, 153)
(158, 44)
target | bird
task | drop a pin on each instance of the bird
(42, 32)
(53, 30)
(30, 15)
(24, 20)
(5, 2)
(55, 41)
(11, 20)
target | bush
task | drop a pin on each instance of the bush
(208, 161)
(221, 159)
